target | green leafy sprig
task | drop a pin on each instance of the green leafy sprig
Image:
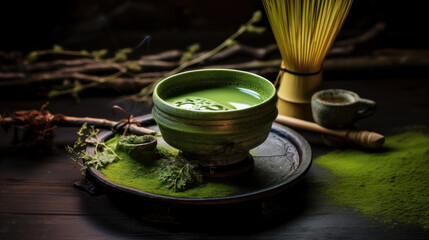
(75, 87)
(179, 174)
(102, 155)
(189, 58)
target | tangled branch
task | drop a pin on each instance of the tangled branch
(38, 126)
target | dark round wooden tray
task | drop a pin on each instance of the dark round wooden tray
(279, 162)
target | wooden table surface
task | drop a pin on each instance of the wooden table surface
(38, 199)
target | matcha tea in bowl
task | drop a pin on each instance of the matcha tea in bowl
(215, 116)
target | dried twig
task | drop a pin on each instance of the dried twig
(92, 72)
(88, 64)
(123, 68)
(145, 92)
(75, 68)
(381, 59)
(29, 118)
(47, 77)
(377, 62)
(79, 62)
(368, 35)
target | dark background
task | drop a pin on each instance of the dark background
(112, 24)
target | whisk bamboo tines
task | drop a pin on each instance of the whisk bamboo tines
(304, 31)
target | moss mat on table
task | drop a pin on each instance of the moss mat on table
(143, 175)
(391, 185)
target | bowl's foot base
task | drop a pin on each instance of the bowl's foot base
(227, 171)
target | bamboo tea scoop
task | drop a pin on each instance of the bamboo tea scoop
(358, 137)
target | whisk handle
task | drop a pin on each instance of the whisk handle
(361, 138)
(365, 139)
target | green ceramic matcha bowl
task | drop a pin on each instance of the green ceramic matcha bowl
(215, 138)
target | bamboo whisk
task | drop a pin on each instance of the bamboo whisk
(304, 31)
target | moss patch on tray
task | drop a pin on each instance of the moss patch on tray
(133, 139)
(391, 185)
(144, 175)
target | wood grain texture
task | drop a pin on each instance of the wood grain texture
(38, 200)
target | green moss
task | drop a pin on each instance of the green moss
(391, 186)
(133, 139)
(113, 141)
(144, 176)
